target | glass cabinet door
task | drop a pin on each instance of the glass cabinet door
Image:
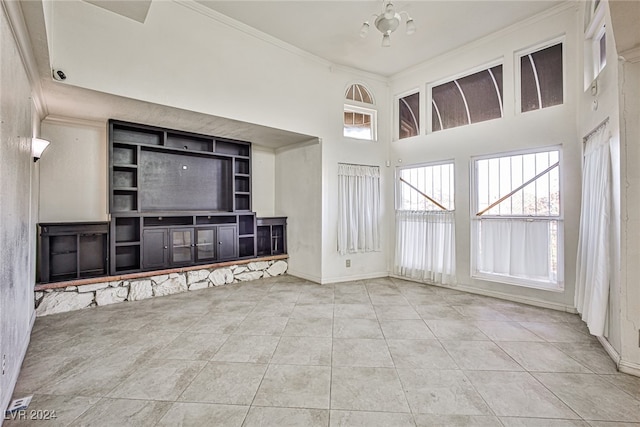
(205, 246)
(181, 246)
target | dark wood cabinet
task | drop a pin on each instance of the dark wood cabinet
(177, 198)
(271, 236)
(155, 248)
(73, 250)
(168, 242)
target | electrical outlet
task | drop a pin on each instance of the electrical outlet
(348, 263)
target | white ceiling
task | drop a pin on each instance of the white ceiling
(331, 29)
(327, 29)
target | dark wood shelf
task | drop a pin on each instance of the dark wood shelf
(133, 243)
(73, 250)
(173, 198)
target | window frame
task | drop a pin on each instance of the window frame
(596, 29)
(517, 55)
(398, 186)
(396, 115)
(559, 285)
(428, 98)
(352, 106)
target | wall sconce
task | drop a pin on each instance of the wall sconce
(38, 146)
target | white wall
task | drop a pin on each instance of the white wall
(17, 225)
(73, 174)
(299, 198)
(623, 88)
(263, 181)
(547, 127)
(231, 73)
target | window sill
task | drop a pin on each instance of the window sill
(521, 282)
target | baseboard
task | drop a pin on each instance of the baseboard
(500, 295)
(16, 373)
(611, 351)
(630, 368)
(309, 277)
(326, 281)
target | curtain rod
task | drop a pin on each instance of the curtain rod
(356, 164)
(596, 129)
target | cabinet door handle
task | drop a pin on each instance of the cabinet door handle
(166, 247)
(219, 243)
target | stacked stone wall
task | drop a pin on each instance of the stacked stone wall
(51, 301)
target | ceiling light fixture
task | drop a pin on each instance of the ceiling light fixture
(387, 22)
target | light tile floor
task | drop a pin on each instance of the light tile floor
(286, 352)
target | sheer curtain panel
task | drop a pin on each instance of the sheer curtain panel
(592, 266)
(425, 246)
(358, 208)
(517, 248)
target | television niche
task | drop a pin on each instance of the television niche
(177, 198)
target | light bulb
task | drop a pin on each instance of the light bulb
(388, 11)
(411, 26)
(364, 30)
(386, 40)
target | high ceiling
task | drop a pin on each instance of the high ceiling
(327, 29)
(331, 29)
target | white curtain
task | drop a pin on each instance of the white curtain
(592, 266)
(358, 208)
(516, 247)
(425, 246)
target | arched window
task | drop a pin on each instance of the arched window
(359, 118)
(471, 99)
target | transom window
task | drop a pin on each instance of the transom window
(517, 225)
(541, 79)
(359, 93)
(409, 116)
(470, 99)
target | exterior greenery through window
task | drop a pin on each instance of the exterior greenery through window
(541, 79)
(517, 219)
(359, 119)
(409, 116)
(470, 99)
(417, 185)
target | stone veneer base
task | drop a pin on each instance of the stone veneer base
(61, 297)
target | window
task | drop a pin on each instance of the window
(600, 50)
(359, 123)
(471, 99)
(541, 79)
(359, 93)
(426, 188)
(359, 120)
(409, 116)
(358, 208)
(425, 224)
(517, 220)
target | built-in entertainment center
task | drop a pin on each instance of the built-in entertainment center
(176, 199)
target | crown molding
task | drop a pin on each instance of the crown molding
(631, 55)
(556, 10)
(73, 121)
(18, 27)
(247, 29)
(253, 32)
